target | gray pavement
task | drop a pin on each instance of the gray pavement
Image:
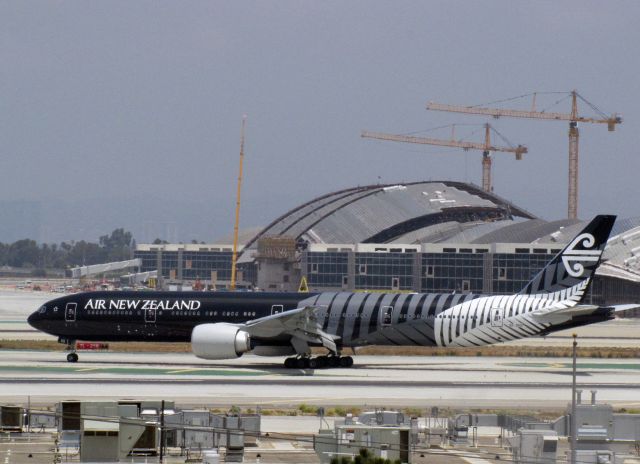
(390, 381)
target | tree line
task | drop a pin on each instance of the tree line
(26, 253)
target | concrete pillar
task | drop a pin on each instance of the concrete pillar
(417, 273)
(487, 273)
(160, 280)
(351, 271)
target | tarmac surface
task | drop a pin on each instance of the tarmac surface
(383, 381)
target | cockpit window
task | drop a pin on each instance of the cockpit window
(42, 310)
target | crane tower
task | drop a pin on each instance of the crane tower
(574, 134)
(486, 148)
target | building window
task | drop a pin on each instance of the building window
(430, 271)
(362, 269)
(345, 281)
(466, 286)
(285, 279)
(314, 268)
(502, 273)
(395, 283)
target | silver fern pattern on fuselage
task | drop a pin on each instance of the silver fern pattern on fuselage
(426, 319)
(436, 319)
(495, 319)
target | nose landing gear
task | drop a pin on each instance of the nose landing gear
(72, 356)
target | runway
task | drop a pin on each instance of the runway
(389, 381)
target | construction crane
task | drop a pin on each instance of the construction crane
(486, 148)
(234, 256)
(573, 119)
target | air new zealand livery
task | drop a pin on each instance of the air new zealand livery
(223, 325)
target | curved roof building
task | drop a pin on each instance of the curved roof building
(407, 213)
(438, 212)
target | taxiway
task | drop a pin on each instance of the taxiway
(390, 381)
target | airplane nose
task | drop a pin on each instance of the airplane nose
(32, 320)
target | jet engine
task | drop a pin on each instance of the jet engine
(219, 341)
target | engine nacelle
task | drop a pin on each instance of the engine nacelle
(219, 341)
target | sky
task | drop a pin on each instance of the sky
(127, 114)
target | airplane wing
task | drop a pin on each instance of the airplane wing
(302, 324)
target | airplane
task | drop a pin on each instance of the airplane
(225, 325)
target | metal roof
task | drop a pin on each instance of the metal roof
(386, 212)
(525, 232)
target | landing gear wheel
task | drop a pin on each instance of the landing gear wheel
(347, 361)
(334, 361)
(322, 362)
(302, 363)
(72, 357)
(312, 363)
(289, 363)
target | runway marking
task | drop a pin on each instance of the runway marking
(581, 365)
(183, 371)
(303, 400)
(133, 371)
(465, 456)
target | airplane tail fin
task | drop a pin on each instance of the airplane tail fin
(575, 265)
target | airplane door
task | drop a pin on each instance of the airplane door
(387, 315)
(150, 316)
(497, 316)
(276, 309)
(70, 312)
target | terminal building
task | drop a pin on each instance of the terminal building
(414, 237)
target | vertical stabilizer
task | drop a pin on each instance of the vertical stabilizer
(577, 262)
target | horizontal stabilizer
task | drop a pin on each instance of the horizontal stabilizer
(625, 307)
(552, 315)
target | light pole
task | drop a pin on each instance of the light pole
(573, 402)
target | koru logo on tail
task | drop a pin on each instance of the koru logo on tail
(574, 260)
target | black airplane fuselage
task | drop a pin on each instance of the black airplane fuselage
(152, 316)
(408, 319)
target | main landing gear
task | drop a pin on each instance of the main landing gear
(72, 356)
(320, 362)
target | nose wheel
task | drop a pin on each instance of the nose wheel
(72, 357)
